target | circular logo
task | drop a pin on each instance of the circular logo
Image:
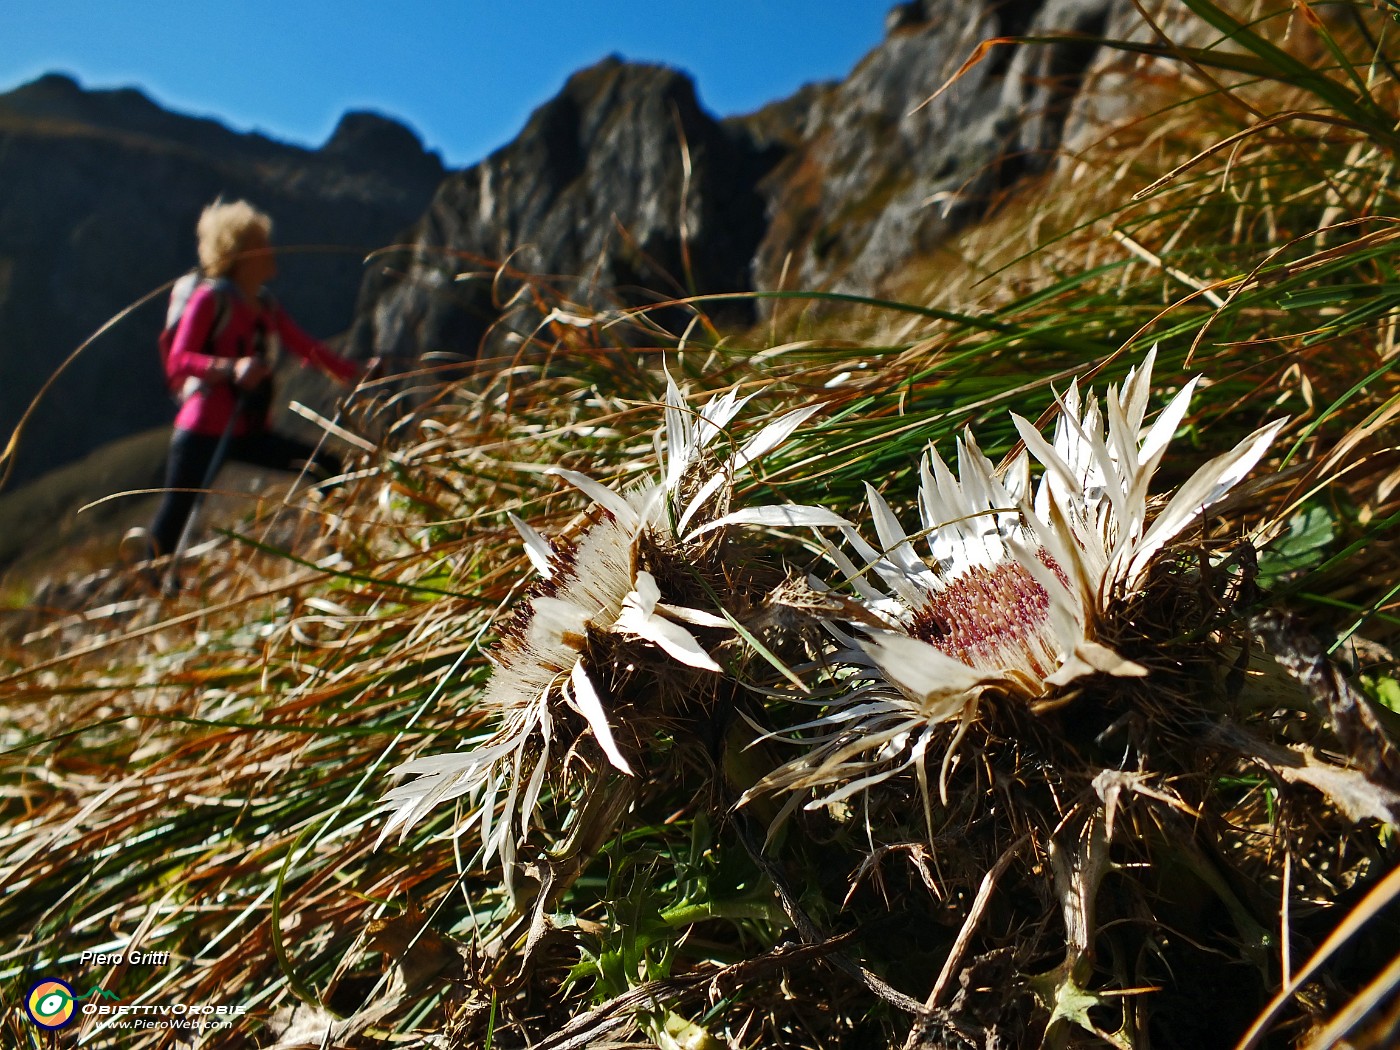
(50, 1004)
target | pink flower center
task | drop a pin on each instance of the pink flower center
(993, 617)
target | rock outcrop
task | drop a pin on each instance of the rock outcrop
(101, 193)
(892, 161)
(623, 182)
(606, 188)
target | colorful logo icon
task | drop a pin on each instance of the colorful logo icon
(50, 1004)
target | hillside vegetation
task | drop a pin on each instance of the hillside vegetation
(753, 723)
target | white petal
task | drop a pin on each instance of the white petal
(942, 684)
(700, 429)
(896, 544)
(1090, 657)
(1122, 443)
(1205, 488)
(533, 788)
(678, 436)
(853, 576)
(675, 407)
(1137, 389)
(1049, 457)
(1167, 422)
(696, 616)
(645, 593)
(1076, 548)
(672, 638)
(681, 440)
(771, 436)
(867, 553)
(943, 501)
(605, 497)
(715, 416)
(590, 705)
(1017, 478)
(1098, 463)
(941, 532)
(1066, 604)
(1066, 443)
(451, 762)
(649, 506)
(846, 790)
(790, 514)
(537, 548)
(973, 464)
(987, 498)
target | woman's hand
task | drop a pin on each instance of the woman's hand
(249, 372)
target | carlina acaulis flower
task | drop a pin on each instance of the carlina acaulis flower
(596, 597)
(1016, 594)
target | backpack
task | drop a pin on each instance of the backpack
(180, 296)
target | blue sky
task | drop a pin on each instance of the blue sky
(464, 73)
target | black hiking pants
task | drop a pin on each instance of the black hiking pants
(190, 457)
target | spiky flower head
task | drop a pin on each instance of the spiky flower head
(1017, 594)
(596, 609)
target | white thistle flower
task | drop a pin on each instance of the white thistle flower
(594, 587)
(1014, 592)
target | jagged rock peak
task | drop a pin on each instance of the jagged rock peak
(362, 131)
(623, 181)
(373, 142)
(597, 186)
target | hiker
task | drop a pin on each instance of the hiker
(219, 364)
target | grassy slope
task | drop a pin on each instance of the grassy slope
(41, 520)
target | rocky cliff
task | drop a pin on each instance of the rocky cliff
(623, 186)
(605, 186)
(101, 190)
(887, 166)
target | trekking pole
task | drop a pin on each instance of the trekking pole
(216, 461)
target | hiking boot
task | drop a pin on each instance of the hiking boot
(135, 546)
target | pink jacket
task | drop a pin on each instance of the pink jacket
(209, 408)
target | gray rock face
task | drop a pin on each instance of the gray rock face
(834, 188)
(99, 193)
(890, 166)
(602, 189)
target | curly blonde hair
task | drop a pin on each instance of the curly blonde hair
(223, 231)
